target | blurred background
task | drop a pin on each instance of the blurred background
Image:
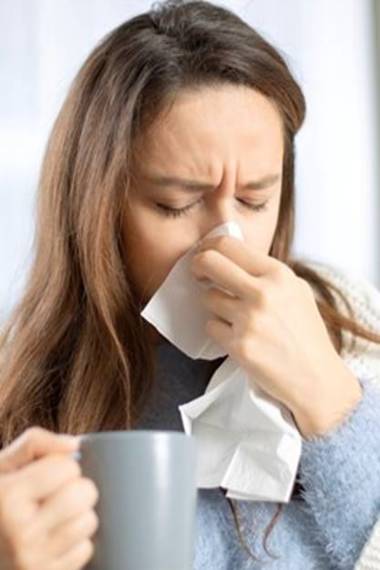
(332, 47)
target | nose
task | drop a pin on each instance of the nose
(218, 208)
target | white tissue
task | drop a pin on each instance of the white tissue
(176, 311)
(247, 441)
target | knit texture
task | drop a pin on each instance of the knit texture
(335, 525)
(370, 558)
(365, 300)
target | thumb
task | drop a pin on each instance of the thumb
(33, 443)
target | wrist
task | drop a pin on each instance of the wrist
(327, 412)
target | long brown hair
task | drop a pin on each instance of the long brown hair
(74, 353)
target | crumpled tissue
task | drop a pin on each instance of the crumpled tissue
(247, 441)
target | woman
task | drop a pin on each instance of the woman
(180, 119)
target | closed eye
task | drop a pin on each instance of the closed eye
(177, 212)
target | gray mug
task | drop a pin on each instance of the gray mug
(147, 498)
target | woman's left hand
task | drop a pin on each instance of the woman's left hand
(270, 324)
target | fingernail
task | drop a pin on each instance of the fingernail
(70, 439)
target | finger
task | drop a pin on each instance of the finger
(224, 273)
(72, 500)
(221, 304)
(219, 331)
(76, 558)
(33, 443)
(44, 476)
(65, 535)
(253, 262)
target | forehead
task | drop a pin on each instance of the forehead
(224, 122)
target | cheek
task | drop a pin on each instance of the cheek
(152, 247)
(260, 231)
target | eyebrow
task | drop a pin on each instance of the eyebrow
(193, 185)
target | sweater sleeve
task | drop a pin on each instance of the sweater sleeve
(370, 555)
(340, 474)
(364, 299)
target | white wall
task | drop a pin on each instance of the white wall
(329, 46)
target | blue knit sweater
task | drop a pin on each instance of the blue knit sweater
(326, 527)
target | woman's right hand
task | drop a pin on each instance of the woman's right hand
(46, 506)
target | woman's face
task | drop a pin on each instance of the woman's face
(215, 156)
